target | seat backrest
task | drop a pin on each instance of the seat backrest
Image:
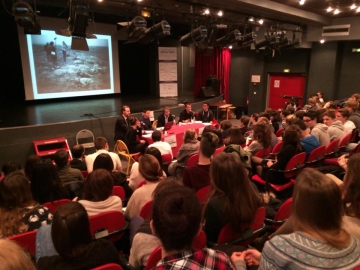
(146, 210)
(316, 154)
(53, 206)
(192, 160)
(109, 224)
(199, 241)
(227, 235)
(279, 132)
(283, 213)
(119, 191)
(108, 266)
(219, 150)
(332, 147)
(354, 135)
(295, 164)
(277, 148)
(85, 174)
(166, 158)
(85, 136)
(26, 240)
(120, 147)
(203, 193)
(154, 258)
(263, 153)
(345, 140)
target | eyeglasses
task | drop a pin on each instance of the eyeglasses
(307, 121)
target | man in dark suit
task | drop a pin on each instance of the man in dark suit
(122, 124)
(205, 115)
(165, 117)
(78, 161)
(145, 120)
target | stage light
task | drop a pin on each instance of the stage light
(290, 45)
(353, 6)
(230, 47)
(322, 41)
(246, 40)
(194, 36)
(220, 13)
(302, 2)
(145, 14)
(261, 21)
(358, 9)
(26, 18)
(207, 11)
(229, 38)
(269, 40)
(158, 30)
(136, 28)
(336, 11)
(329, 9)
(251, 19)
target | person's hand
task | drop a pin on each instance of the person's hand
(252, 257)
(75, 199)
(186, 121)
(269, 163)
(238, 256)
(143, 141)
(342, 161)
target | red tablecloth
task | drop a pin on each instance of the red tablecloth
(176, 133)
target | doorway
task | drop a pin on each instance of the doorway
(283, 86)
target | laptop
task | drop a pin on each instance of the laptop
(168, 125)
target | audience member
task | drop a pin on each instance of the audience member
(261, 138)
(150, 168)
(165, 117)
(104, 161)
(122, 124)
(71, 236)
(134, 145)
(235, 137)
(299, 114)
(206, 129)
(29, 164)
(78, 154)
(253, 119)
(232, 198)
(318, 235)
(197, 176)
(354, 117)
(225, 126)
(335, 127)
(308, 142)
(244, 124)
(343, 116)
(205, 115)
(144, 119)
(11, 166)
(275, 120)
(102, 146)
(97, 196)
(274, 139)
(135, 176)
(13, 257)
(186, 115)
(65, 172)
(164, 147)
(19, 212)
(176, 221)
(189, 147)
(319, 130)
(45, 183)
(217, 132)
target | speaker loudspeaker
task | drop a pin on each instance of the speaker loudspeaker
(207, 92)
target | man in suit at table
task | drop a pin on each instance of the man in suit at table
(122, 124)
(205, 115)
(186, 115)
(165, 117)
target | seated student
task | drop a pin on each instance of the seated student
(144, 119)
(150, 168)
(234, 137)
(309, 142)
(206, 129)
(318, 240)
(232, 200)
(205, 115)
(244, 123)
(319, 130)
(11, 166)
(12, 256)
(29, 164)
(71, 236)
(335, 127)
(343, 116)
(134, 145)
(164, 147)
(19, 212)
(186, 115)
(189, 147)
(65, 172)
(97, 196)
(176, 221)
(78, 154)
(165, 117)
(225, 126)
(261, 138)
(197, 176)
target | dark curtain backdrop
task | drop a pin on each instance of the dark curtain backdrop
(217, 64)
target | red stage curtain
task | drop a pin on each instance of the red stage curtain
(217, 64)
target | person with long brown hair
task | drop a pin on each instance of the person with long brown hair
(261, 138)
(19, 212)
(232, 199)
(318, 240)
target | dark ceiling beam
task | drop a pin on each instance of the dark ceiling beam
(272, 9)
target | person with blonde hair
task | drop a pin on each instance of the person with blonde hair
(12, 256)
(151, 170)
(189, 147)
(318, 240)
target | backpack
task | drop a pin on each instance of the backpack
(238, 151)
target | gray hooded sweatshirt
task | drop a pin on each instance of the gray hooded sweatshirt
(336, 130)
(320, 132)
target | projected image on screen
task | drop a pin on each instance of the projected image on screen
(58, 71)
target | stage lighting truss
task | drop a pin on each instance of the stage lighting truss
(194, 36)
(26, 17)
(246, 40)
(159, 30)
(136, 28)
(229, 39)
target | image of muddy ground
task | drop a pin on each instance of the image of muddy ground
(64, 70)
